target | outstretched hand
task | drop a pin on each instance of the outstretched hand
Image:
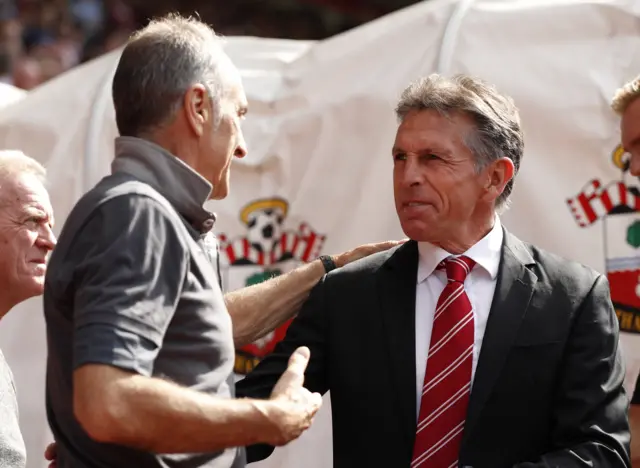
(293, 405)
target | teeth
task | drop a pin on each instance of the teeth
(415, 204)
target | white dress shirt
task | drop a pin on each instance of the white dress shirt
(479, 285)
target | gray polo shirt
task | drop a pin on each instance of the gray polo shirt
(132, 283)
(12, 450)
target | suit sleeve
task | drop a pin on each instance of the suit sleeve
(307, 329)
(591, 427)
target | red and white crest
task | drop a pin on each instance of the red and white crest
(267, 249)
(616, 206)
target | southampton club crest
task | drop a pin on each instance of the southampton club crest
(617, 206)
(266, 250)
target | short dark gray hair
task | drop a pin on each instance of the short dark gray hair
(157, 66)
(498, 133)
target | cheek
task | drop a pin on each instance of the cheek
(24, 242)
(16, 249)
(634, 166)
(221, 135)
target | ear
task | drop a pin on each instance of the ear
(197, 108)
(498, 175)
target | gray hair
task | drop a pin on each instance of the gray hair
(498, 133)
(157, 66)
(14, 163)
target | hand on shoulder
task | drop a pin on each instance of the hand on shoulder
(363, 251)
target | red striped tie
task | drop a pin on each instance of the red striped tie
(447, 381)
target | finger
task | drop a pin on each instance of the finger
(299, 360)
(293, 376)
(394, 243)
(386, 245)
(314, 401)
(50, 452)
(317, 399)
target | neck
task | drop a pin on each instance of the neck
(6, 304)
(467, 235)
(181, 149)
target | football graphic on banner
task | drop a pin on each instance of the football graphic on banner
(267, 249)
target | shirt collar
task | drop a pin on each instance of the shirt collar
(486, 253)
(183, 187)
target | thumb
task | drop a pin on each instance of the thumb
(298, 363)
(294, 375)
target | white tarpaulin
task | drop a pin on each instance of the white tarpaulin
(10, 94)
(320, 131)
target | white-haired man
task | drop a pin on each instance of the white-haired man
(26, 238)
(626, 103)
(141, 340)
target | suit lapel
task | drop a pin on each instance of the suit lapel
(396, 282)
(514, 288)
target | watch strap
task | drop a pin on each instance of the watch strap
(328, 263)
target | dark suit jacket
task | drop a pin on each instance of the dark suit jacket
(547, 390)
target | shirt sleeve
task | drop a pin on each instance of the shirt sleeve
(127, 283)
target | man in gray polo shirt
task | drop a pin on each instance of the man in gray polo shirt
(140, 338)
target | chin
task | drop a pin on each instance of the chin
(416, 230)
(34, 289)
(37, 285)
(219, 194)
(220, 189)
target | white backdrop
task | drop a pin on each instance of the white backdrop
(10, 94)
(320, 130)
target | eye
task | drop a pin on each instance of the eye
(35, 220)
(32, 221)
(399, 157)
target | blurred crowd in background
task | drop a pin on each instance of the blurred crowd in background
(40, 39)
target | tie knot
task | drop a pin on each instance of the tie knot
(457, 268)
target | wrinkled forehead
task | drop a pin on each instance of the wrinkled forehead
(25, 191)
(424, 129)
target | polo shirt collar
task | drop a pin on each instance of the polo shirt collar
(183, 187)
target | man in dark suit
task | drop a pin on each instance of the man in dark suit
(465, 347)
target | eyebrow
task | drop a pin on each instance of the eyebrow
(38, 212)
(428, 150)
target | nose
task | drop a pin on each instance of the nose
(47, 239)
(634, 164)
(411, 174)
(241, 149)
